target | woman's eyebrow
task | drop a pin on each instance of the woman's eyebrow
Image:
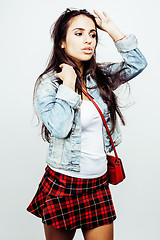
(84, 29)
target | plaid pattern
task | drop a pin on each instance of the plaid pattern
(68, 203)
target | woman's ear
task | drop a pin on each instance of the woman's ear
(62, 45)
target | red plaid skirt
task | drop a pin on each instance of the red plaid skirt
(68, 203)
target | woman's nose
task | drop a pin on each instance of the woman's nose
(88, 39)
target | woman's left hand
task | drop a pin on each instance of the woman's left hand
(106, 24)
(103, 20)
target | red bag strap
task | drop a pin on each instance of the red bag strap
(105, 124)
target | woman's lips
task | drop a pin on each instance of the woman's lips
(87, 50)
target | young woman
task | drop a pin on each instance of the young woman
(74, 190)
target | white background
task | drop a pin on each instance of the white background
(25, 47)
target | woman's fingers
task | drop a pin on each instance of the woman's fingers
(102, 17)
(99, 14)
(102, 20)
(61, 65)
(105, 14)
(67, 72)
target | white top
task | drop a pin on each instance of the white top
(93, 162)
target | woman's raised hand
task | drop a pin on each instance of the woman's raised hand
(106, 24)
(67, 75)
(102, 20)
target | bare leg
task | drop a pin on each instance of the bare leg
(104, 232)
(52, 233)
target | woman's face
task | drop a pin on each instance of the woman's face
(80, 39)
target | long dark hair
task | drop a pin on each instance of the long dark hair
(96, 70)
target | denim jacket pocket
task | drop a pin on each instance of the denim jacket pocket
(56, 147)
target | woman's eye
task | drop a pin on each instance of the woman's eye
(78, 34)
(93, 35)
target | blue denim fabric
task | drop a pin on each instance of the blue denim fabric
(59, 108)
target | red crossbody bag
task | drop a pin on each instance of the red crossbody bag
(115, 168)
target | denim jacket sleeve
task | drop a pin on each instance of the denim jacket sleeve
(133, 60)
(56, 105)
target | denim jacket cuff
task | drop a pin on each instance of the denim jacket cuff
(67, 94)
(127, 44)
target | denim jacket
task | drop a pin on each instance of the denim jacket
(59, 109)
